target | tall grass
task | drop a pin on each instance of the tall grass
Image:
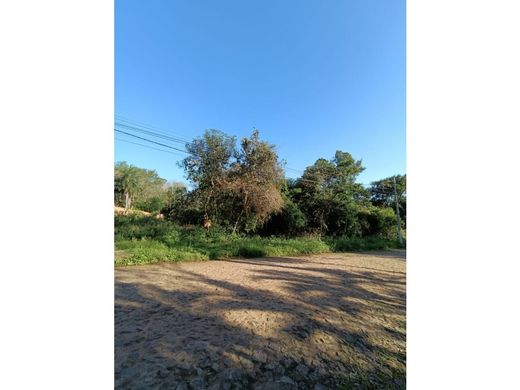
(144, 240)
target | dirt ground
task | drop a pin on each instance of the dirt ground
(316, 322)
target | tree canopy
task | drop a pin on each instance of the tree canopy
(242, 189)
(235, 186)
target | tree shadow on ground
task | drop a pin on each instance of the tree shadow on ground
(399, 254)
(284, 326)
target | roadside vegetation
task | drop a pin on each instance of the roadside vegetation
(145, 239)
(249, 208)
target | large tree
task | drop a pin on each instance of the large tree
(207, 167)
(255, 180)
(235, 187)
(330, 196)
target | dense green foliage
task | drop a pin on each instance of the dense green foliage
(242, 192)
(141, 240)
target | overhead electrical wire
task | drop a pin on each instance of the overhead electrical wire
(147, 146)
(152, 133)
(157, 143)
(152, 128)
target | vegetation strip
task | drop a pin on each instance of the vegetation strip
(145, 240)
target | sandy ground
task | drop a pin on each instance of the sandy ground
(308, 322)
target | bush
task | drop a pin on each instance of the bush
(127, 227)
(290, 222)
(251, 251)
(153, 205)
(346, 244)
(141, 240)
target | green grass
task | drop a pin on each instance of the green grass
(145, 240)
(152, 251)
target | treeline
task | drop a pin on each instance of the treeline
(242, 189)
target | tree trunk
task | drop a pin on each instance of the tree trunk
(240, 215)
(236, 223)
(128, 201)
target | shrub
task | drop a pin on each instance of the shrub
(345, 244)
(153, 204)
(251, 251)
(291, 221)
(141, 240)
(137, 227)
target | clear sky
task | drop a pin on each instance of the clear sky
(312, 76)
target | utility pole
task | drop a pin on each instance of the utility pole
(399, 234)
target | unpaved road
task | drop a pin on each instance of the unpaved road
(308, 322)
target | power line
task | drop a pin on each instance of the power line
(150, 127)
(154, 134)
(147, 146)
(147, 140)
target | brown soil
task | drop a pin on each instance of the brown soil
(309, 322)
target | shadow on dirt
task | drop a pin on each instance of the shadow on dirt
(331, 327)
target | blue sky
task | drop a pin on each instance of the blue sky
(312, 76)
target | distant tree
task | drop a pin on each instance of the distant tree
(126, 183)
(152, 197)
(382, 193)
(174, 193)
(133, 185)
